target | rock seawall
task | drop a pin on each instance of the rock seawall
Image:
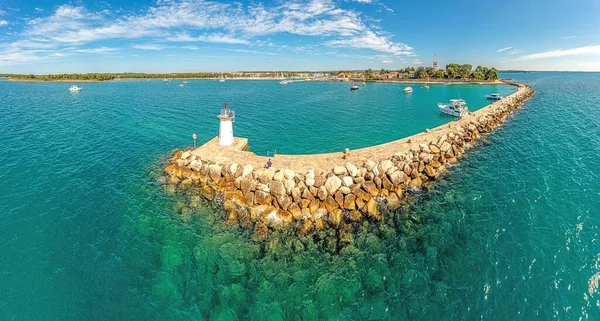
(338, 194)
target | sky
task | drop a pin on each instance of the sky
(77, 36)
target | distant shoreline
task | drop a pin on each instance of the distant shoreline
(392, 81)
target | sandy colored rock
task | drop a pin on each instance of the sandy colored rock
(332, 184)
(322, 193)
(335, 217)
(398, 177)
(330, 204)
(262, 198)
(373, 210)
(370, 188)
(349, 202)
(278, 176)
(295, 210)
(430, 171)
(277, 188)
(339, 170)
(352, 170)
(339, 199)
(306, 194)
(347, 181)
(314, 206)
(196, 165)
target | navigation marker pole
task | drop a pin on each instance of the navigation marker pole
(194, 137)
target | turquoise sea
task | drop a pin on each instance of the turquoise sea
(86, 233)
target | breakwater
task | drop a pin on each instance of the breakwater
(308, 193)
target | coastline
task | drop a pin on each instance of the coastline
(309, 193)
(389, 81)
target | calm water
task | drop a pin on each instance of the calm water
(511, 233)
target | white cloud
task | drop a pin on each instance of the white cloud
(214, 38)
(96, 50)
(416, 62)
(3, 23)
(38, 10)
(568, 37)
(587, 50)
(387, 62)
(324, 22)
(503, 49)
(148, 47)
(190, 47)
(371, 40)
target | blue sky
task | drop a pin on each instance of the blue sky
(56, 36)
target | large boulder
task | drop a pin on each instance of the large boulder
(345, 190)
(215, 172)
(336, 216)
(349, 203)
(322, 193)
(333, 183)
(398, 177)
(385, 165)
(196, 165)
(373, 210)
(247, 170)
(289, 174)
(370, 165)
(347, 181)
(352, 170)
(339, 170)
(278, 176)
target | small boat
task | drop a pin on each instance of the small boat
(364, 84)
(408, 90)
(456, 108)
(354, 87)
(425, 87)
(494, 97)
(284, 82)
(165, 79)
(75, 88)
(185, 82)
(180, 85)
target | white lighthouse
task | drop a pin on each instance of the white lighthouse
(227, 117)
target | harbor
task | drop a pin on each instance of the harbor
(330, 190)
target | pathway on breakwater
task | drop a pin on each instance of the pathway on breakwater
(328, 191)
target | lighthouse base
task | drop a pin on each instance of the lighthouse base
(212, 147)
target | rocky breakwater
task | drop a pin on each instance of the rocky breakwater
(339, 197)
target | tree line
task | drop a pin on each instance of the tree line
(452, 71)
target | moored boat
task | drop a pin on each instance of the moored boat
(354, 87)
(456, 108)
(408, 90)
(425, 87)
(75, 88)
(494, 97)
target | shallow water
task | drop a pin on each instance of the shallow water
(511, 233)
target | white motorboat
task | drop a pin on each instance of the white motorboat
(283, 80)
(425, 87)
(494, 97)
(185, 82)
(408, 90)
(456, 108)
(354, 87)
(364, 84)
(75, 88)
